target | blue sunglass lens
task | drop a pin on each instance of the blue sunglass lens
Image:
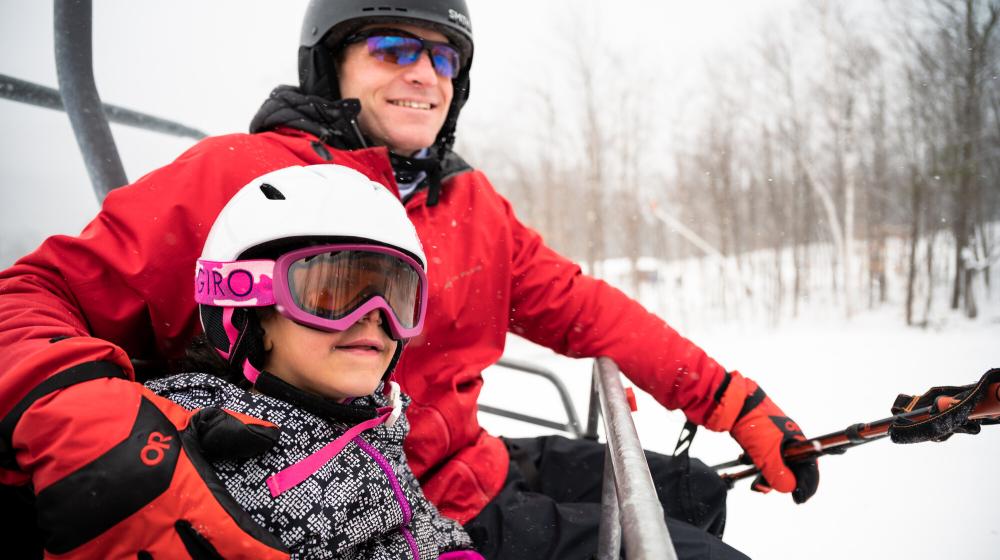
(406, 50)
(397, 50)
(445, 60)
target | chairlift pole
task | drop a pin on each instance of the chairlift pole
(643, 527)
(75, 70)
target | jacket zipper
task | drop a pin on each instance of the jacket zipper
(404, 505)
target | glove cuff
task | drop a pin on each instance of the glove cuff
(80, 373)
(731, 398)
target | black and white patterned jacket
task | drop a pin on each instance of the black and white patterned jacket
(363, 503)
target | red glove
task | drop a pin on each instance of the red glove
(121, 472)
(763, 430)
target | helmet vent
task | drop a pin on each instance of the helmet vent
(271, 192)
(384, 9)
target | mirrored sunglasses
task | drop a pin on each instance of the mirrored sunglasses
(404, 51)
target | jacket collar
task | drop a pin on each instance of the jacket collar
(357, 411)
(335, 123)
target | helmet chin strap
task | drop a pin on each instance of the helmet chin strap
(384, 325)
(392, 363)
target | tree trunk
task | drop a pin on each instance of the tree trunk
(911, 274)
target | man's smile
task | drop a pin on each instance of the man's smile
(410, 104)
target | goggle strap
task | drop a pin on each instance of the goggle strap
(234, 283)
(250, 372)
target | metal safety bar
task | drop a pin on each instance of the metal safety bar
(572, 424)
(630, 509)
(43, 96)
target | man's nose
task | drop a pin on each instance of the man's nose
(422, 71)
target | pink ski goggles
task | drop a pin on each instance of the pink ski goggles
(326, 287)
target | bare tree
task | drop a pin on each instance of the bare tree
(960, 50)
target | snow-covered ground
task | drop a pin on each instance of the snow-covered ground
(923, 501)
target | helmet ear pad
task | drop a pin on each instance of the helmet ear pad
(318, 72)
(237, 336)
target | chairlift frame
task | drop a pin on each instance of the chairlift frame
(630, 512)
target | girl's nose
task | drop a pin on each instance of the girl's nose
(374, 316)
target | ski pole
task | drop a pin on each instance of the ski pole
(859, 434)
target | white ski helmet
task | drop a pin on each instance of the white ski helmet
(287, 238)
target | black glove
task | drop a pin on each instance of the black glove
(950, 409)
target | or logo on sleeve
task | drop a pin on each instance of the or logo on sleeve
(155, 449)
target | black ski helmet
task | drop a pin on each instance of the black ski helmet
(328, 22)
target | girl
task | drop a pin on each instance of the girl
(310, 282)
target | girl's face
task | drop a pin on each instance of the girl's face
(336, 365)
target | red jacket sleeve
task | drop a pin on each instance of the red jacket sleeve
(123, 287)
(554, 304)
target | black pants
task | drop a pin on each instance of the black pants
(550, 505)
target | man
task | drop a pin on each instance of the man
(394, 76)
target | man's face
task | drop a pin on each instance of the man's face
(402, 107)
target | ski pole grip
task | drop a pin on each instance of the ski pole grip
(943, 403)
(989, 407)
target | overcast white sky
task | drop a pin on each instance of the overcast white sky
(211, 64)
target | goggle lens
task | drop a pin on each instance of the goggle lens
(332, 285)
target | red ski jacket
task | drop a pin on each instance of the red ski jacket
(122, 289)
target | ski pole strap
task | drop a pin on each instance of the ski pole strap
(683, 492)
(951, 410)
(683, 447)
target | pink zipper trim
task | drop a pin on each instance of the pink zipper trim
(404, 504)
(461, 555)
(292, 476)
